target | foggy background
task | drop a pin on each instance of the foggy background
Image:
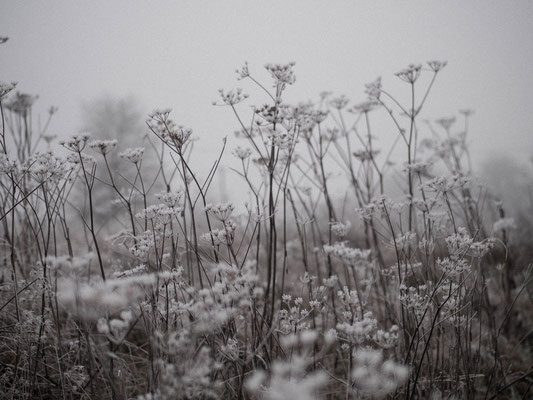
(177, 54)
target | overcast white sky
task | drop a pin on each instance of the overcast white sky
(178, 53)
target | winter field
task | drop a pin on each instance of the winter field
(340, 267)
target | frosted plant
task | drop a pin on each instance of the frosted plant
(375, 377)
(231, 97)
(411, 73)
(387, 339)
(415, 299)
(103, 146)
(282, 73)
(221, 211)
(94, 300)
(290, 379)
(76, 143)
(171, 199)
(132, 155)
(358, 331)
(339, 102)
(347, 254)
(340, 229)
(241, 153)
(20, 103)
(6, 87)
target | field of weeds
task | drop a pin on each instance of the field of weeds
(123, 276)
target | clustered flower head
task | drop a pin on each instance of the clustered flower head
(241, 153)
(20, 103)
(171, 199)
(103, 146)
(364, 107)
(244, 72)
(282, 73)
(6, 87)
(446, 123)
(373, 89)
(374, 376)
(410, 74)
(221, 211)
(347, 254)
(340, 229)
(76, 143)
(175, 136)
(231, 97)
(339, 102)
(436, 66)
(132, 155)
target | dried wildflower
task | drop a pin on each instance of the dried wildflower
(410, 74)
(171, 199)
(446, 123)
(231, 98)
(357, 331)
(76, 143)
(455, 267)
(366, 155)
(5, 88)
(132, 155)
(340, 229)
(444, 185)
(282, 73)
(241, 153)
(221, 211)
(6, 165)
(349, 255)
(281, 139)
(339, 102)
(244, 72)
(373, 89)
(21, 103)
(436, 66)
(387, 339)
(375, 377)
(103, 146)
(418, 168)
(364, 107)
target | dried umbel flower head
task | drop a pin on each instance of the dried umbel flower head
(446, 123)
(132, 155)
(436, 66)
(282, 73)
(5, 88)
(241, 153)
(373, 89)
(340, 229)
(244, 72)
(221, 211)
(21, 103)
(6, 165)
(76, 143)
(364, 107)
(375, 377)
(231, 97)
(171, 199)
(410, 74)
(103, 146)
(45, 166)
(339, 102)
